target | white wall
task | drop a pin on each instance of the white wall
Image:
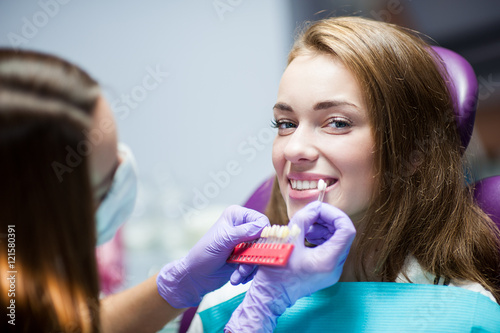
(218, 64)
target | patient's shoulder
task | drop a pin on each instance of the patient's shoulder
(412, 272)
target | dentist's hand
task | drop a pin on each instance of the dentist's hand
(184, 282)
(308, 270)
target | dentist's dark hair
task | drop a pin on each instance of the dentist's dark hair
(45, 105)
(420, 206)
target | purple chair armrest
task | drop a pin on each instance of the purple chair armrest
(487, 195)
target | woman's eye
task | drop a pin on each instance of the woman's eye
(339, 124)
(283, 126)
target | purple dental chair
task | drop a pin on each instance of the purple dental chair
(463, 86)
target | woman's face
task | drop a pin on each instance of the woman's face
(323, 133)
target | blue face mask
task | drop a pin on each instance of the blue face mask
(118, 204)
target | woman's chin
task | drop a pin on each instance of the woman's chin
(292, 209)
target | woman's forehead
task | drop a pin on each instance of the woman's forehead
(312, 80)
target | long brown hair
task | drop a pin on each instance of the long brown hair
(420, 206)
(45, 105)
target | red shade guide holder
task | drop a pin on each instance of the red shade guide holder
(261, 254)
(273, 248)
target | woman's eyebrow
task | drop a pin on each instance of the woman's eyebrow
(334, 103)
(282, 107)
(318, 106)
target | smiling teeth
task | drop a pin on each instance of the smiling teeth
(304, 184)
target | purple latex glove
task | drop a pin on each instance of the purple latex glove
(243, 274)
(274, 289)
(319, 232)
(184, 282)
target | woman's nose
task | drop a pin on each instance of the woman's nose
(300, 147)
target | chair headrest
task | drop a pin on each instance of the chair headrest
(487, 195)
(259, 199)
(463, 87)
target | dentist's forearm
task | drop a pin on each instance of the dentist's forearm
(138, 309)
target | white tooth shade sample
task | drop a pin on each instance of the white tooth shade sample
(279, 234)
(321, 189)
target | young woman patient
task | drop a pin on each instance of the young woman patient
(365, 106)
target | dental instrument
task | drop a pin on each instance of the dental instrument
(321, 189)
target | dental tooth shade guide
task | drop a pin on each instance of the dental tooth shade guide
(273, 248)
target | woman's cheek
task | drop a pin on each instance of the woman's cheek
(277, 157)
